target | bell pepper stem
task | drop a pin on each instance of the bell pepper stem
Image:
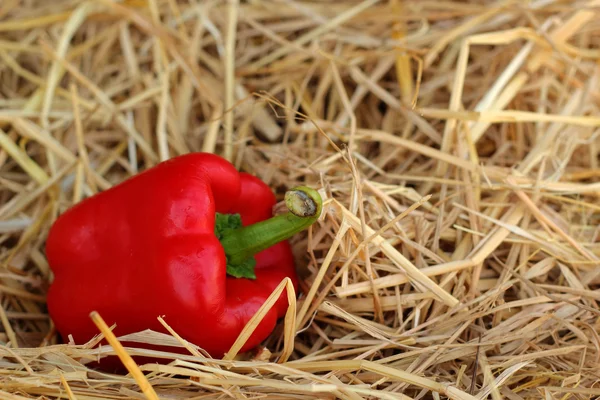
(304, 208)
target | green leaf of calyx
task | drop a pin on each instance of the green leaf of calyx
(228, 222)
(243, 270)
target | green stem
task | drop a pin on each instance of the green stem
(304, 208)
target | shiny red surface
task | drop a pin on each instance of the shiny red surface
(146, 248)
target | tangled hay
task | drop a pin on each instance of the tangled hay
(456, 144)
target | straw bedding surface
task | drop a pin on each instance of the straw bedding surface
(456, 145)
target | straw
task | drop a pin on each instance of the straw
(124, 357)
(455, 144)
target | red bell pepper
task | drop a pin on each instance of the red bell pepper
(191, 239)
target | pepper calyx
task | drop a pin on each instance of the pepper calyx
(229, 222)
(241, 243)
